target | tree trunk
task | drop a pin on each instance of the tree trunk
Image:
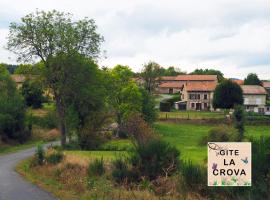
(63, 133)
(61, 113)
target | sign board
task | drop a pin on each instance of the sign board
(229, 164)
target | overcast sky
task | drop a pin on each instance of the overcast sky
(229, 35)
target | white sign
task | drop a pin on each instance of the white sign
(229, 164)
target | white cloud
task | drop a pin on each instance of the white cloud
(230, 35)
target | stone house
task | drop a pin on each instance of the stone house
(173, 84)
(254, 98)
(197, 95)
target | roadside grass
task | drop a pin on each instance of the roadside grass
(92, 155)
(69, 181)
(191, 115)
(186, 137)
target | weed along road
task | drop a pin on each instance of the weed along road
(12, 185)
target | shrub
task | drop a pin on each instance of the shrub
(239, 120)
(155, 158)
(55, 157)
(12, 112)
(220, 134)
(120, 172)
(194, 176)
(40, 154)
(173, 99)
(138, 129)
(149, 111)
(96, 168)
(164, 106)
(32, 93)
(50, 120)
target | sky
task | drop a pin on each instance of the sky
(228, 35)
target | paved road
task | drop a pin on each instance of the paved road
(12, 185)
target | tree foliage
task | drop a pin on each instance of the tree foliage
(149, 112)
(12, 111)
(170, 71)
(227, 94)
(54, 37)
(29, 69)
(252, 79)
(151, 75)
(239, 120)
(219, 74)
(32, 92)
(124, 96)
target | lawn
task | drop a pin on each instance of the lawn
(187, 136)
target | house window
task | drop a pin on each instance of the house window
(205, 96)
(246, 101)
(205, 106)
(268, 108)
(192, 105)
(194, 96)
(258, 101)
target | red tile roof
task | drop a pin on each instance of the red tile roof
(253, 89)
(17, 78)
(170, 85)
(266, 84)
(196, 78)
(238, 81)
(200, 86)
(168, 78)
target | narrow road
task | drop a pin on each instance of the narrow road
(12, 185)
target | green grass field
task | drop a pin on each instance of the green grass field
(191, 115)
(187, 136)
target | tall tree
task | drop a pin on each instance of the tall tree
(227, 94)
(151, 76)
(219, 74)
(252, 79)
(12, 111)
(45, 35)
(124, 96)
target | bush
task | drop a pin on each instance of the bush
(239, 120)
(194, 176)
(32, 93)
(120, 172)
(173, 99)
(164, 106)
(220, 134)
(55, 157)
(12, 112)
(155, 158)
(96, 168)
(149, 111)
(138, 129)
(40, 155)
(50, 120)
